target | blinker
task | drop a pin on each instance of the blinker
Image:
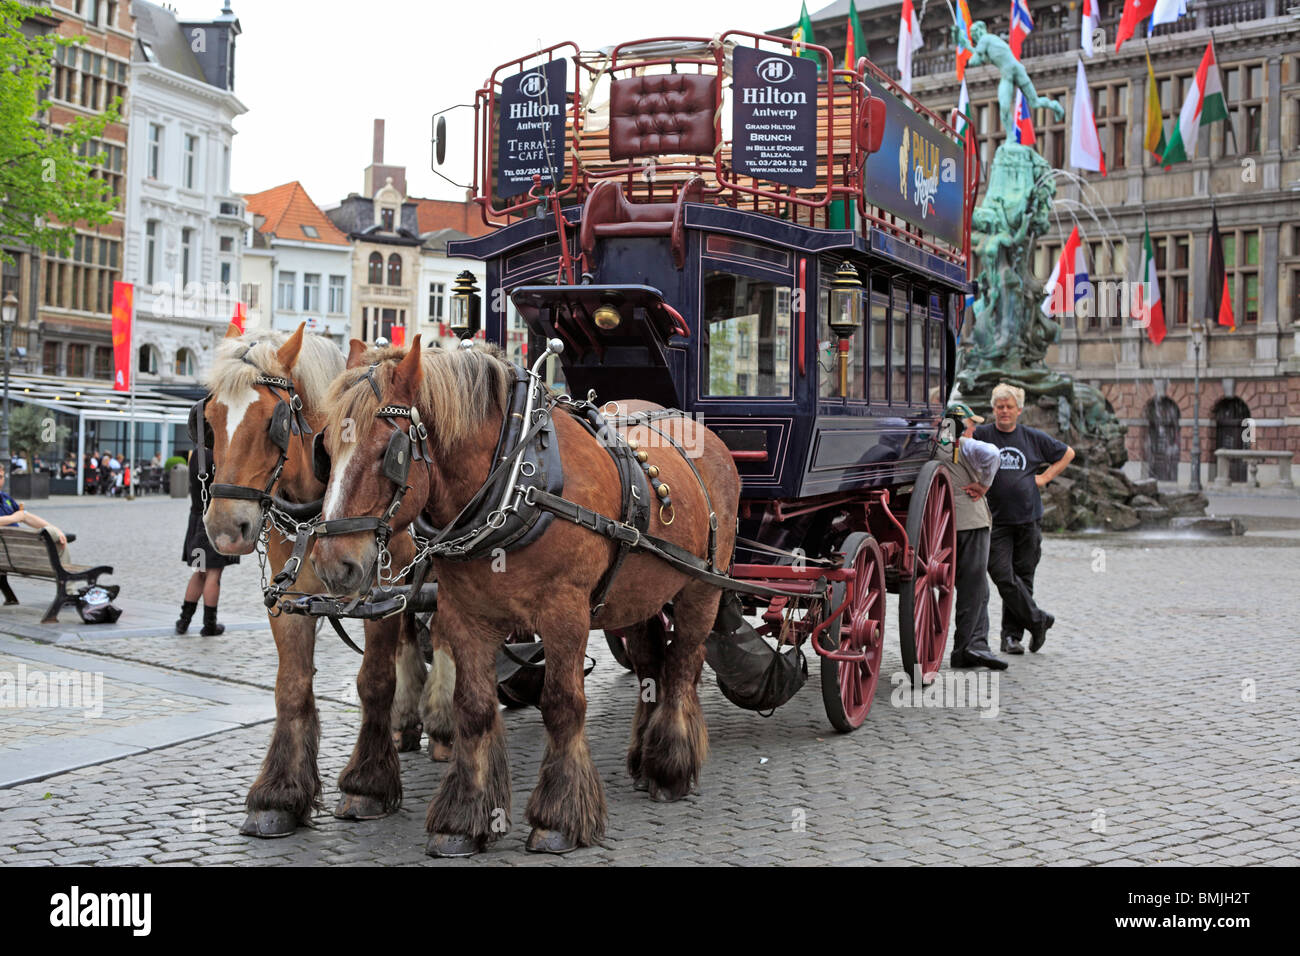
(320, 459)
(397, 458)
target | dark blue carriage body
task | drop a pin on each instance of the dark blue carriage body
(758, 365)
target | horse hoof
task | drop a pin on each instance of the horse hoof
(358, 806)
(408, 739)
(269, 824)
(667, 794)
(453, 845)
(438, 751)
(549, 841)
(641, 784)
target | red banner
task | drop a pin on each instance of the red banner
(399, 335)
(123, 311)
(240, 317)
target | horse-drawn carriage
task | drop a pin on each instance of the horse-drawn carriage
(751, 311)
(809, 345)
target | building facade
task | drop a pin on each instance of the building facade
(1247, 171)
(65, 301)
(184, 234)
(298, 265)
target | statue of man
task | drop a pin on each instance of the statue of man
(991, 48)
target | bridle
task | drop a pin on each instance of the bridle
(403, 446)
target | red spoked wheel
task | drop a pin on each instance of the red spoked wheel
(925, 608)
(848, 686)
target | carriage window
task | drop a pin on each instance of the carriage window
(747, 345)
(898, 347)
(936, 351)
(878, 310)
(916, 351)
(828, 345)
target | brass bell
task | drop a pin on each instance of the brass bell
(633, 444)
(642, 457)
(662, 491)
(653, 471)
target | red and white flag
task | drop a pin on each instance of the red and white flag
(909, 41)
(1068, 282)
(1089, 20)
(1085, 144)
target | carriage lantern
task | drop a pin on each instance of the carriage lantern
(846, 303)
(465, 306)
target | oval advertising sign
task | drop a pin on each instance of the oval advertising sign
(775, 69)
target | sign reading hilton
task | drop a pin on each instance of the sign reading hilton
(530, 137)
(774, 117)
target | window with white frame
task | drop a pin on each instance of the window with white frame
(191, 159)
(155, 150)
(150, 250)
(187, 254)
(437, 291)
(337, 289)
(284, 298)
(311, 292)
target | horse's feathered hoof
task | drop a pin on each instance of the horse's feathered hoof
(667, 794)
(439, 752)
(641, 784)
(269, 824)
(408, 739)
(357, 806)
(453, 845)
(549, 841)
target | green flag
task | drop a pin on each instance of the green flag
(803, 35)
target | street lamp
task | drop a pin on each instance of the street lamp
(1198, 338)
(9, 313)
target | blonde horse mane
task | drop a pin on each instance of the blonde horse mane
(459, 389)
(318, 364)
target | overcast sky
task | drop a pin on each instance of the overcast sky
(314, 74)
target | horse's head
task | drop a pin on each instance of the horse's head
(254, 418)
(375, 433)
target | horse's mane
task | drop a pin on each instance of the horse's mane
(459, 389)
(317, 365)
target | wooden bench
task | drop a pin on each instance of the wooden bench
(34, 554)
(1223, 479)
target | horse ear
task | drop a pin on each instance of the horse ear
(232, 331)
(407, 379)
(288, 353)
(355, 348)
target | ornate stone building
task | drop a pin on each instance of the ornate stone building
(1247, 170)
(184, 224)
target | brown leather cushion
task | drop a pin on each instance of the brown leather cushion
(662, 114)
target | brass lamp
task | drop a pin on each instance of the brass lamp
(466, 306)
(846, 304)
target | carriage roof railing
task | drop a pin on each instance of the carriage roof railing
(658, 178)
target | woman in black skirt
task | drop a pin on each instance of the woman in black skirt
(206, 561)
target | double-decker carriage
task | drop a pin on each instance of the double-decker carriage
(714, 225)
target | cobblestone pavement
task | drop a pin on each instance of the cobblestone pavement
(1157, 726)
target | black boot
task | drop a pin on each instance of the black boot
(187, 614)
(210, 626)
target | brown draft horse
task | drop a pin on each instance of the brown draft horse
(239, 413)
(545, 588)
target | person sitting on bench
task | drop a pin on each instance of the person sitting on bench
(11, 513)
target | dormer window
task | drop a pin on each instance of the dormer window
(386, 219)
(148, 51)
(310, 232)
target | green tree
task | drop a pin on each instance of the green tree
(46, 186)
(33, 430)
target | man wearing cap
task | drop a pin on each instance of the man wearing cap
(971, 465)
(1017, 538)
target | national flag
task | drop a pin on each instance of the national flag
(1022, 24)
(398, 334)
(803, 36)
(1220, 289)
(240, 317)
(1134, 11)
(1166, 11)
(1204, 105)
(909, 41)
(1147, 307)
(1068, 283)
(962, 113)
(1155, 138)
(123, 316)
(855, 44)
(1089, 20)
(964, 20)
(1085, 144)
(1024, 121)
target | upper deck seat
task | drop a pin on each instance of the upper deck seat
(652, 115)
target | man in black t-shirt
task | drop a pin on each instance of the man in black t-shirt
(1015, 545)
